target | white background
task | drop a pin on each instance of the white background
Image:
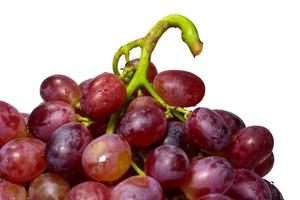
(249, 61)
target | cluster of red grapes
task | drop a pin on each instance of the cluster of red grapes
(96, 141)
(212, 155)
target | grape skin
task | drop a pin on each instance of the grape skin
(89, 190)
(60, 88)
(275, 193)
(168, 164)
(22, 159)
(48, 116)
(48, 187)
(214, 197)
(12, 191)
(265, 166)
(12, 124)
(106, 158)
(177, 135)
(206, 176)
(249, 186)
(102, 96)
(179, 88)
(143, 126)
(250, 146)
(65, 147)
(138, 188)
(208, 130)
(143, 101)
(233, 122)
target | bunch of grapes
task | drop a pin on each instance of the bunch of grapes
(129, 136)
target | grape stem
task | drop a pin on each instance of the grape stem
(147, 44)
(83, 120)
(137, 169)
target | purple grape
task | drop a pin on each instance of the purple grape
(275, 193)
(89, 191)
(48, 116)
(60, 88)
(208, 130)
(207, 176)
(249, 186)
(138, 188)
(12, 124)
(168, 164)
(102, 96)
(233, 122)
(250, 147)
(143, 126)
(179, 88)
(65, 147)
(177, 135)
(265, 166)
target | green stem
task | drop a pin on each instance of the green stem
(182, 110)
(178, 115)
(189, 33)
(112, 123)
(137, 169)
(147, 44)
(83, 120)
(124, 50)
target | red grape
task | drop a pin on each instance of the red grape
(249, 186)
(12, 124)
(138, 188)
(143, 101)
(207, 176)
(60, 88)
(143, 126)
(265, 166)
(102, 96)
(89, 191)
(214, 197)
(179, 88)
(106, 158)
(48, 187)
(65, 147)
(22, 159)
(233, 122)
(177, 135)
(84, 83)
(251, 146)
(12, 191)
(208, 130)
(168, 164)
(48, 116)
